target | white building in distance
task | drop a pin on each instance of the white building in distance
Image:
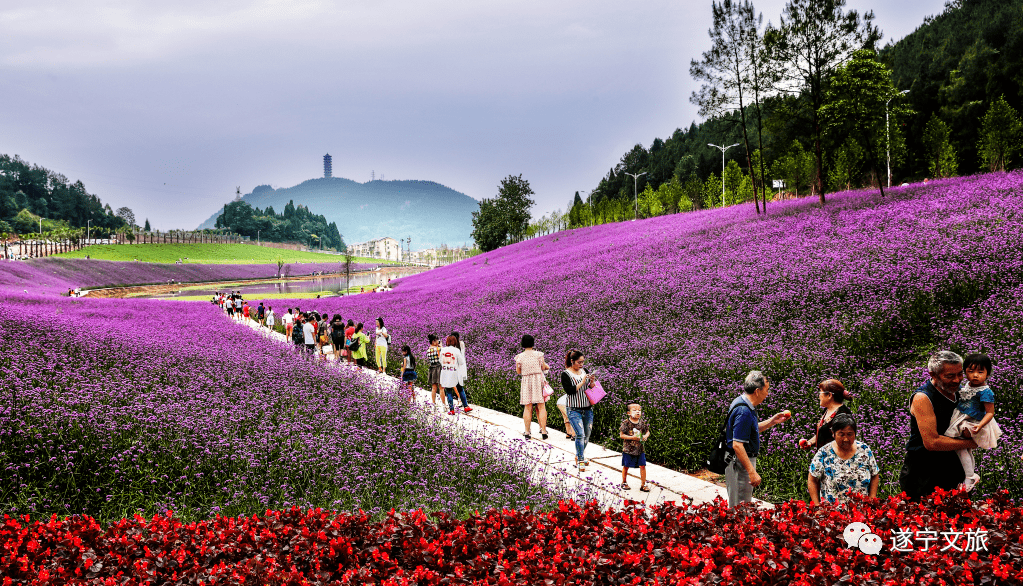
(439, 256)
(383, 248)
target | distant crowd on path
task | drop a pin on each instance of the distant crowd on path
(320, 337)
(949, 416)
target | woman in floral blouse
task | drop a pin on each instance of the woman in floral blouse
(842, 466)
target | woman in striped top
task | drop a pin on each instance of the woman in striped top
(575, 380)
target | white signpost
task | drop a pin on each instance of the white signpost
(779, 184)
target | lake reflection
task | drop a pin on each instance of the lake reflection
(333, 283)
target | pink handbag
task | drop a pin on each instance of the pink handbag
(595, 394)
(548, 391)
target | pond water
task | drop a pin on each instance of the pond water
(332, 283)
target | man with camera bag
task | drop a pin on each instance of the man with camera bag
(743, 436)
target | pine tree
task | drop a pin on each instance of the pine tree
(999, 135)
(941, 155)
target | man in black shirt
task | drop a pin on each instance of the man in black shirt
(931, 461)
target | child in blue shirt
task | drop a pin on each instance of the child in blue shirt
(974, 415)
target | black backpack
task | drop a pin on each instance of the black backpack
(355, 343)
(337, 335)
(716, 460)
(297, 335)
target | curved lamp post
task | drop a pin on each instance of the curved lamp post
(723, 149)
(635, 188)
(887, 137)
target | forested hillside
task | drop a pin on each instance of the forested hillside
(956, 65)
(30, 192)
(963, 70)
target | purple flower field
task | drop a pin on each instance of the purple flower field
(678, 308)
(38, 275)
(107, 407)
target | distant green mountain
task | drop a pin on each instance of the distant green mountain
(429, 212)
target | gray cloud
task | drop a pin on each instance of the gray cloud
(166, 108)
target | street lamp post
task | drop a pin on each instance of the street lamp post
(88, 231)
(887, 137)
(589, 202)
(723, 149)
(635, 189)
(257, 238)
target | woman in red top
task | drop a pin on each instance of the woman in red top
(245, 310)
(349, 332)
(832, 395)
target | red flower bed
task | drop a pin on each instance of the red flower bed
(669, 544)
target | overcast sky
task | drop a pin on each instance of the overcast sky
(166, 107)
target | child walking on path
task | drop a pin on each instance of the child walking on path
(634, 431)
(974, 415)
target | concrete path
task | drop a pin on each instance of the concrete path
(556, 455)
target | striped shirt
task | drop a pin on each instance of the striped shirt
(570, 382)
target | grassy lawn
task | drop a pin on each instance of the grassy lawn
(204, 254)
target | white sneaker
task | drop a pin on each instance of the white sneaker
(971, 482)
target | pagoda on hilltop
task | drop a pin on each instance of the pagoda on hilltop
(328, 171)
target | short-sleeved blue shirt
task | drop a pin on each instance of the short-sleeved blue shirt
(744, 426)
(971, 400)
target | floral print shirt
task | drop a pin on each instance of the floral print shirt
(839, 476)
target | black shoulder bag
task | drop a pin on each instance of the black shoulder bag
(716, 460)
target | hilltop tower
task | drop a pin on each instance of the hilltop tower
(328, 172)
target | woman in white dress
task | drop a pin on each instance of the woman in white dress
(452, 363)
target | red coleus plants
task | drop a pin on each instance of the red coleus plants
(575, 544)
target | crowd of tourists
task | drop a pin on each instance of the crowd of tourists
(950, 416)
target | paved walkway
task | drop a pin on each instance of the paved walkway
(556, 456)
